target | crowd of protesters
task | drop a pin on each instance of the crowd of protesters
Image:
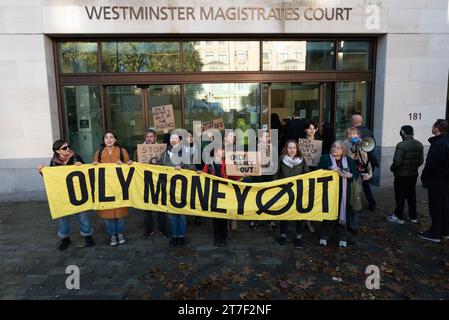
(354, 164)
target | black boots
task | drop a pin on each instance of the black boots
(65, 242)
(89, 241)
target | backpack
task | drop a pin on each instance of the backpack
(100, 151)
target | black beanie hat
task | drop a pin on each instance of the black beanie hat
(408, 130)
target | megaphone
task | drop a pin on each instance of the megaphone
(367, 144)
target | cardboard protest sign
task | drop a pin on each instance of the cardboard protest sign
(311, 151)
(239, 163)
(163, 117)
(150, 153)
(209, 125)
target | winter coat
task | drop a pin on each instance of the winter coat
(435, 175)
(408, 157)
(105, 157)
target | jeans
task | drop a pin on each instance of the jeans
(148, 221)
(405, 188)
(299, 227)
(115, 226)
(83, 220)
(178, 225)
(439, 212)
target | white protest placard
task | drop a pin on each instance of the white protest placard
(311, 151)
(239, 163)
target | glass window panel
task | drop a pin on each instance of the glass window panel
(140, 56)
(298, 55)
(354, 55)
(78, 57)
(82, 119)
(238, 104)
(125, 117)
(352, 97)
(221, 56)
(160, 95)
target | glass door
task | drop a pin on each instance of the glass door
(125, 115)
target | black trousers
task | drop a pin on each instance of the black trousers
(148, 221)
(368, 193)
(439, 212)
(405, 189)
(220, 229)
(329, 227)
(299, 227)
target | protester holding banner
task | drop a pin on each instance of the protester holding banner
(151, 138)
(194, 152)
(218, 169)
(63, 155)
(339, 161)
(112, 152)
(230, 145)
(172, 157)
(291, 164)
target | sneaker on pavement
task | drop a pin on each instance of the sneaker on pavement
(163, 234)
(323, 242)
(89, 241)
(343, 244)
(146, 235)
(299, 243)
(271, 225)
(121, 238)
(415, 221)
(428, 236)
(394, 219)
(252, 225)
(282, 241)
(114, 241)
(65, 242)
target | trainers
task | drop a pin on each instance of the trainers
(121, 238)
(173, 242)
(114, 241)
(181, 242)
(415, 221)
(428, 236)
(252, 225)
(393, 218)
(271, 225)
(89, 241)
(216, 243)
(163, 234)
(323, 242)
(299, 243)
(343, 244)
(146, 235)
(65, 242)
(282, 241)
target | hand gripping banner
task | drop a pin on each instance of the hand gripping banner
(73, 189)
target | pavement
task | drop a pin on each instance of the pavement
(252, 266)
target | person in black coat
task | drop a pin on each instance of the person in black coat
(296, 128)
(435, 178)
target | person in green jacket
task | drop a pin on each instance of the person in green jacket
(408, 157)
(339, 161)
(291, 164)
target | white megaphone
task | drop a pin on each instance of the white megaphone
(367, 144)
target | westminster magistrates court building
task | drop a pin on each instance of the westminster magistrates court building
(72, 69)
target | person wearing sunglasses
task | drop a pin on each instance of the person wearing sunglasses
(63, 155)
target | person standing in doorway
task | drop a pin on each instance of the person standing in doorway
(435, 178)
(408, 157)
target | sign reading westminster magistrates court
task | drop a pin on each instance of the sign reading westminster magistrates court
(216, 13)
(73, 189)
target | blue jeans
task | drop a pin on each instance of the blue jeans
(115, 226)
(178, 225)
(83, 220)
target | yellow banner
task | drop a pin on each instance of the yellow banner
(73, 189)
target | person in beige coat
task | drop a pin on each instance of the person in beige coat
(112, 152)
